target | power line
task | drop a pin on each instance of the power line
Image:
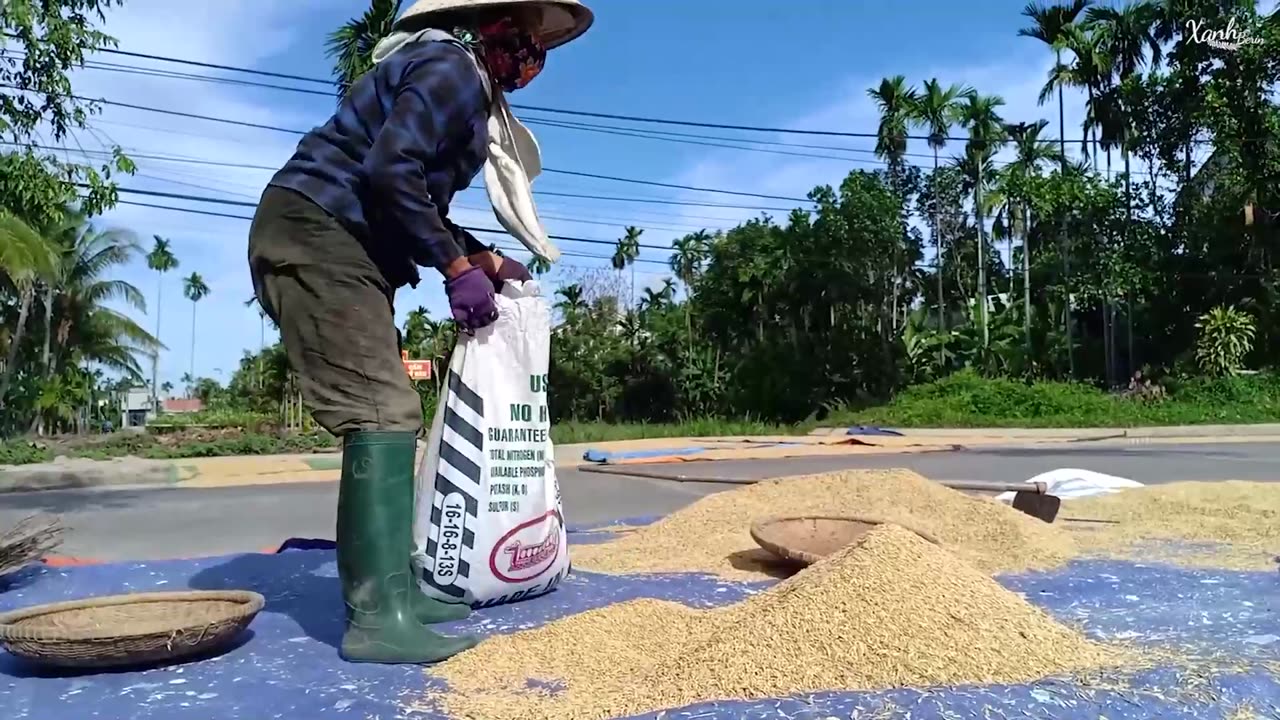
(273, 128)
(622, 131)
(534, 108)
(628, 199)
(566, 253)
(248, 204)
(616, 224)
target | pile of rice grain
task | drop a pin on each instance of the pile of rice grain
(712, 535)
(891, 611)
(1225, 524)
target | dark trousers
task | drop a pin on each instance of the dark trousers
(335, 311)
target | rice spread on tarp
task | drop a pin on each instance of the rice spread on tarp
(1232, 525)
(891, 611)
(712, 535)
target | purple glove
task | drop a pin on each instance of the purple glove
(511, 270)
(471, 299)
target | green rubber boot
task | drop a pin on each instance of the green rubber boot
(375, 534)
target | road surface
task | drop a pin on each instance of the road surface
(166, 523)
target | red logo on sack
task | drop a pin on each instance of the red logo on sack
(526, 552)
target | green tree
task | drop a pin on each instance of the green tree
(539, 266)
(195, 290)
(54, 37)
(980, 117)
(938, 109)
(625, 254)
(25, 256)
(162, 260)
(1053, 25)
(351, 46)
(1032, 153)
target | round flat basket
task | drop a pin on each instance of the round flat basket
(129, 630)
(807, 539)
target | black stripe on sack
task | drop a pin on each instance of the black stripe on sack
(464, 569)
(468, 539)
(460, 462)
(445, 486)
(466, 430)
(466, 394)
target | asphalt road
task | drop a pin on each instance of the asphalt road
(166, 523)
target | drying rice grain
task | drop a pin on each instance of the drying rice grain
(1235, 524)
(891, 611)
(712, 534)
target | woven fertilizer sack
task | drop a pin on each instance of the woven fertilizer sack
(488, 526)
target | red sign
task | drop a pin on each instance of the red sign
(417, 369)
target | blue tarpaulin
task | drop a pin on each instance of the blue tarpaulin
(604, 456)
(871, 430)
(1225, 625)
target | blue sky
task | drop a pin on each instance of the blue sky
(800, 64)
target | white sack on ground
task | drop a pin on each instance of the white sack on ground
(1069, 483)
(489, 527)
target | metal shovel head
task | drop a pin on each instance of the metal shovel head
(1037, 505)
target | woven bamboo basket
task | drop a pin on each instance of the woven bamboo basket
(806, 539)
(129, 630)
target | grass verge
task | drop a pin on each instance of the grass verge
(966, 400)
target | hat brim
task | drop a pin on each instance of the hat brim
(562, 20)
(554, 33)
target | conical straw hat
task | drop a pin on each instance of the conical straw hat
(562, 20)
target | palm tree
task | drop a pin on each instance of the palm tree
(1032, 152)
(937, 109)
(196, 290)
(25, 256)
(687, 260)
(263, 319)
(690, 252)
(896, 101)
(88, 331)
(625, 254)
(162, 260)
(1128, 38)
(572, 300)
(986, 135)
(539, 265)
(62, 232)
(1052, 26)
(351, 46)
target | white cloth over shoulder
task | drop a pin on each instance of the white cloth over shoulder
(1069, 483)
(514, 158)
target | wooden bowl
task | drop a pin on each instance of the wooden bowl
(128, 630)
(806, 539)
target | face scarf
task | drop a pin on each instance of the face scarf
(514, 158)
(513, 55)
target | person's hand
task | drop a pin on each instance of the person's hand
(471, 299)
(500, 269)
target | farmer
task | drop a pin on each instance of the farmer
(365, 200)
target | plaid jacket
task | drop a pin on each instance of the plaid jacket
(409, 135)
